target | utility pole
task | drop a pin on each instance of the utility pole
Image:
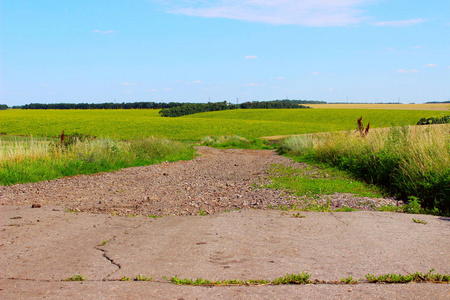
(237, 101)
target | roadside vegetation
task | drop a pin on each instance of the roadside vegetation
(410, 163)
(25, 160)
(235, 142)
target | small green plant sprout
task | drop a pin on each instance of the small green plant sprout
(303, 278)
(202, 213)
(125, 278)
(75, 278)
(420, 221)
(349, 280)
(298, 215)
(103, 243)
(141, 277)
(154, 216)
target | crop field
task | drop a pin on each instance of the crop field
(431, 106)
(255, 123)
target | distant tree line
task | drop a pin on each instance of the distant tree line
(108, 105)
(434, 120)
(193, 108)
(3, 107)
(434, 102)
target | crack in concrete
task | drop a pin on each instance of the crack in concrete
(105, 254)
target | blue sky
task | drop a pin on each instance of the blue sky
(194, 51)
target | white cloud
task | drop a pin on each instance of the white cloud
(44, 85)
(400, 23)
(128, 83)
(104, 31)
(196, 81)
(330, 90)
(275, 87)
(252, 84)
(430, 65)
(127, 92)
(280, 78)
(390, 49)
(403, 71)
(153, 90)
(417, 47)
(167, 89)
(317, 13)
(315, 73)
(251, 57)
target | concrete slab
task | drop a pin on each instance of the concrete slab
(39, 247)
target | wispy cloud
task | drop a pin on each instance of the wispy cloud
(280, 78)
(400, 23)
(403, 71)
(317, 13)
(196, 81)
(252, 84)
(251, 57)
(315, 73)
(153, 90)
(128, 83)
(431, 65)
(104, 31)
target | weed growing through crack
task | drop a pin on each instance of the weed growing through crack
(298, 215)
(200, 281)
(415, 277)
(75, 278)
(420, 221)
(141, 277)
(103, 243)
(125, 278)
(349, 280)
(303, 278)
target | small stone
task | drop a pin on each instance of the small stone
(36, 205)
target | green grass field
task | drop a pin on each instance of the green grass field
(134, 124)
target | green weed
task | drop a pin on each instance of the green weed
(349, 280)
(420, 221)
(303, 278)
(141, 277)
(415, 277)
(75, 278)
(125, 278)
(103, 243)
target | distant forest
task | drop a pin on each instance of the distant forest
(3, 107)
(155, 105)
(434, 102)
(193, 108)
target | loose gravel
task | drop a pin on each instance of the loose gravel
(217, 180)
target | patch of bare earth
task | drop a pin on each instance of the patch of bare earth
(216, 181)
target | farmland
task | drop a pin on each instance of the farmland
(255, 123)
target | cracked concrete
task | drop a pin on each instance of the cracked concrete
(39, 247)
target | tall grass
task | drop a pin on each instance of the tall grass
(33, 160)
(408, 161)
